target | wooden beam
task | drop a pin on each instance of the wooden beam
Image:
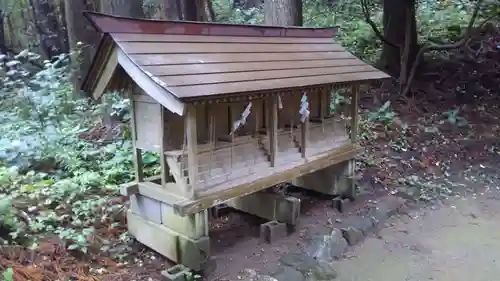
(354, 113)
(153, 190)
(269, 178)
(192, 149)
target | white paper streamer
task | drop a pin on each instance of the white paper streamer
(238, 123)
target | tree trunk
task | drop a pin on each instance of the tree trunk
(248, 4)
(79, 30)
(47, 24)
(283, 12)
(190, 10)
(3, 44)
(395, 20)
(124, 8)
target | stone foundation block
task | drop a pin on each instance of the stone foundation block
(272, 231)
(175, 273)
(270, 206)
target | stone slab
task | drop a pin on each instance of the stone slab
(193, 253)
(145, 207)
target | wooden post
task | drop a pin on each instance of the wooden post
(323, 107)
(165, 171)
(211, 136)
(273, 128)
(138, 165)
(354, 113)
(192, 149)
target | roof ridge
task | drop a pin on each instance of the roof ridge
(116, 24)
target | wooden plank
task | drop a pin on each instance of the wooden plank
(204, 68)
(216, 196)
(182, 48)
(231, 77)
(148, 120)
(135, 37)
(160, 193)
(179, 177)
(287, 83)
(354, 113)
(174, 124)
(192, 149)
(143, 98)
(208, 58)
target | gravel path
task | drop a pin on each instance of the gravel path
(457, 240)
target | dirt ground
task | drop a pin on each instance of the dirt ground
(458, 240)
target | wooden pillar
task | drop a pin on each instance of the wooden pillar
(354, 113)
(165, 171)
(138, 165)
(192, 149)
(273, 128)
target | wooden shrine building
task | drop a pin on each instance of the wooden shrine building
(231, 110)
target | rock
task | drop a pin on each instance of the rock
(175, 273)
(252, 275)
(352, 235)
(324, 272)
(311, 269)
(286, 273)
(363, 223)
(327, 247)
(299, 261)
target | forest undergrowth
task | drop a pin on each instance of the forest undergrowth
(61, 215)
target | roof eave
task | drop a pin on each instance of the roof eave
(98, 61)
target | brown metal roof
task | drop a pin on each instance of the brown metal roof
(192, 60)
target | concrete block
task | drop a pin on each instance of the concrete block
(272, 231)
(175, 273)
(270, 206)
(217, 211)
(341, 204)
